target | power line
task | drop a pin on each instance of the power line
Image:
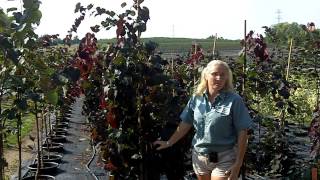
(278, 12)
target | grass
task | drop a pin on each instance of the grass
(178, 45)
(26, 128)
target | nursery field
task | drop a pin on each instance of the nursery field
(182, 45)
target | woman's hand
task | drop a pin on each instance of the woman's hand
(233, 172)
(181, 130)
(163, 144)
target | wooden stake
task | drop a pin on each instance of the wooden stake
(244, 58)
(243, 168)
(318, 93)
(172, 68)
(289, 58)
(214, 44)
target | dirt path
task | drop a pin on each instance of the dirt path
(12, 154)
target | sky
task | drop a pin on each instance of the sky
(182, 18)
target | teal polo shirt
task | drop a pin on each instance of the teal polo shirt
(218, 124)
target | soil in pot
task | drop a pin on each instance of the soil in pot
(61, 123)
(40, 177)
(60, 126)
(68, 114)
(53, 147)
(52, 158)
(49, 168)
(65, 119)
(60, 131)
(57, 138)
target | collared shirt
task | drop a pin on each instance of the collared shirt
(218, 124)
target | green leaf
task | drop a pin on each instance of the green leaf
(49, 71)
(62, 79)
(144, 14)
(34, 96)
(123, 4)
(45, 83)
(252, 74)
(132, 13)
(36, 17)
(11, 9)
(13, 55)
(31, 44)
(78, 6)
(280, 104)
(291, 111)
(22, 104)
(5, 43)
(240, 59)
(110, 13)
(18, 16)
(142, 27)
(90, 6)
(95, 28)
(72, 73)
(85, 85)
(52, 97)
(27, 4)
(100, 11)
(12, 114)
(4, 114)
(119, 60)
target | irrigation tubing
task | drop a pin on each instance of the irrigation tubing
(90, 161)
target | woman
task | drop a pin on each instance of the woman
(221, 121)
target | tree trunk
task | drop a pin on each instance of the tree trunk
(2, 160)
(19, 122)
(2, 164)
(38, 138)
(19, 145)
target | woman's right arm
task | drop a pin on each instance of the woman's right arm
(180, 132)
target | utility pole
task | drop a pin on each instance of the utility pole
(173, 30)
(278, 12)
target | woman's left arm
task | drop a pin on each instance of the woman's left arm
(242, 123)
(242, 146)
(241, 150)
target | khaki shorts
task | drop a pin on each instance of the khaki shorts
(202, 165)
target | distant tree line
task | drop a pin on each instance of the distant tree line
(281, 33)
(59, 41)
(218, 38)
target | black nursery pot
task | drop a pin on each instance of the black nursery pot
(53, 147)
(64, 119)
(300, 133)
(40, 177)
(52, 158)
(67, 114)
(49, 168)
(60, 131)
(60, 125)
(57, 138)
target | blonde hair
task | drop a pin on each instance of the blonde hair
(202, 86)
